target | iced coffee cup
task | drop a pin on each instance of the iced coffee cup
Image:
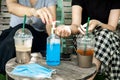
(23, 43)
(85, 50)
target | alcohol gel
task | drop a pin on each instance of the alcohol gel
(53, 48)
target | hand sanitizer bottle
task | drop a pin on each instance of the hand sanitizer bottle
(53, 48)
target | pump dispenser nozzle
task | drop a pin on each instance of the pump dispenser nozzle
(53, 26)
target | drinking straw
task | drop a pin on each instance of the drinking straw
(23, 27)
(87, 26)
(88, 20)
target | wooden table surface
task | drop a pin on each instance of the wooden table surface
(67, 70)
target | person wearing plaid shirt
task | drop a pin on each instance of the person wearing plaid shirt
(104, 16)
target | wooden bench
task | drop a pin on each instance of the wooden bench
(67, 12)
(4, 16)
(66, 18)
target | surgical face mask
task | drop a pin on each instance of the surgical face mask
(32, 70)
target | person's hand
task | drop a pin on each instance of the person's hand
(92, 24)
(45, 15)
(82, 28)
(63, 31)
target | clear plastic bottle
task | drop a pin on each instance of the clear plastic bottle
(53, 49)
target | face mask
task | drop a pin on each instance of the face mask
(33, 70)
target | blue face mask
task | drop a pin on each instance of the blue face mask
(33, 70)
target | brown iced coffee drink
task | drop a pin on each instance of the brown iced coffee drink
(23, 43)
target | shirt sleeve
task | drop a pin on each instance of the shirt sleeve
(77, 2)
(51, 2)
(115, 4)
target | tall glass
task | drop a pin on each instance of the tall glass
(85, 50)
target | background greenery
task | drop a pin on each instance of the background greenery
(2, 77)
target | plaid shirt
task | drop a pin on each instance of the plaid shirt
(107, 50)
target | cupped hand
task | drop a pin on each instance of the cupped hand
(63, 31)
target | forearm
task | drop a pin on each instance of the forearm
(107, 26)
(95, 23)
(74, 28)
(112, 20)
(19, 10)
(76, 19)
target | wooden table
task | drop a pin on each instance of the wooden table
(67, 70)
